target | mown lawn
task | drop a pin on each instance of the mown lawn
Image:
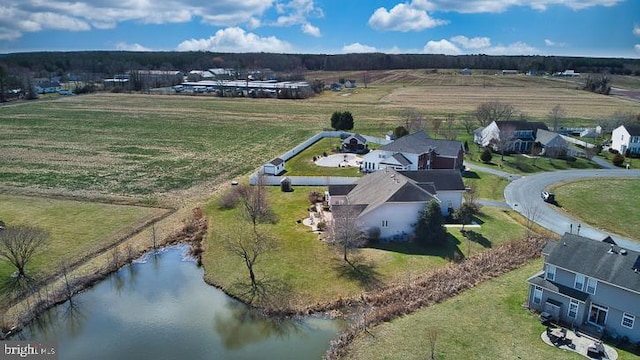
(609, 204)
(315, 272)
(302, 163)
(488, 186)
(486, 322)
(76, 229)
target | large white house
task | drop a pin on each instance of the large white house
(415, 152)
(391, 201)
(626, 138)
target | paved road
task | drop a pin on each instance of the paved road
(523, 195)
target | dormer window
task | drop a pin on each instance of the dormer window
(551, 272)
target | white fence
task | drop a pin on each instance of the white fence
(577, 142)
(313, 180)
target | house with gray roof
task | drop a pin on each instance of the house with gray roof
(551, 144)
(519, 136)
(415, 152)
(391, 201)
(589, 284)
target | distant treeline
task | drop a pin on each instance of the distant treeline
(109, 63)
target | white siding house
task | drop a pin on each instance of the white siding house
(391, 201)
(626, 138)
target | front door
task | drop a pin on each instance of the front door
(598, 314)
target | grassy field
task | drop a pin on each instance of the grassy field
(76, 229)
(148, 144)
(606, 204)
(486, 322)
(315, 272)
(488, 186)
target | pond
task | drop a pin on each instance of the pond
(160, 308)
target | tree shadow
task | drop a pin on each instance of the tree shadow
(358, 269)
(270, 293)
(449, 249)
(477, 238)
(470, 174)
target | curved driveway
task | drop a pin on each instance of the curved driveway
(523, 195)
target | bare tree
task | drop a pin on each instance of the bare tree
(531, 213)
(450, 132)
(18, 244)
(432, 336)
(505, 140)
(556, 116)
(344, 230)
(468, 123)
(254, 201)
(494, 111)
(413, 121)
(248, 244)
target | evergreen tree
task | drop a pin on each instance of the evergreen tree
(430, 229)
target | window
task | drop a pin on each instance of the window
(385, 223)
(628, 320)
(573, 309)
(537, 295)
(551, 272)
(591, 285)
(579, 283)
(598, 314)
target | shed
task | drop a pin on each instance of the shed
(285, 185)
(274, 167)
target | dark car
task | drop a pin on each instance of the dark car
(548, 197)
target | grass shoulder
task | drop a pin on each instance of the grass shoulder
(613, 209)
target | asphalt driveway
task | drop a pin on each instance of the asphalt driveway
(523, 195)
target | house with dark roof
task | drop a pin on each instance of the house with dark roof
(626, 139)
(273, 167)
(415, 152)
(48, 87)
(520, 135)
(355, 143)
(391, 201)
(590, 284)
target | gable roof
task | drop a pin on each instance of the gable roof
(276, 161)
(521, 125)
(358, 137)
(594, 259)
(545, 137)
(419, 143)
(340, 190)
(633, 130)
(389, 185)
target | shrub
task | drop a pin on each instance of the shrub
(613, 151)
(229, 199)
(315, 197)
(321, 226)
(486, 155)
(617, 159)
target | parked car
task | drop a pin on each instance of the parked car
(548, 197)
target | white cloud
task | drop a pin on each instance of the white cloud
(441, 47)
(459, 45)
(495, 6)
(131, 47)
(551, 43)
(235, 39)
(636, 30)
(411, 16)
(20, 16)
(358, 48)
(473, 43)
(311, 30)
(637, 47)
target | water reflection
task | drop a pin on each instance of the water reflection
(160, 308)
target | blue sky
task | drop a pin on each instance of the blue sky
(607, 28)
